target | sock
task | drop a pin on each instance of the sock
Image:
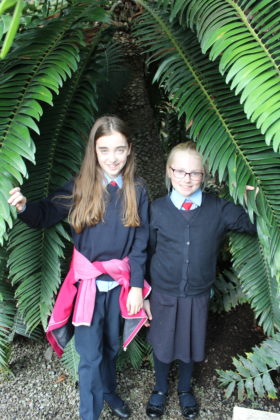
(161, 374)
(185, 375)
(184, 384)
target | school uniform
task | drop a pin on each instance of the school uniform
(184, 247)
(98, 343)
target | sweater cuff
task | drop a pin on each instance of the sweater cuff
(137, 283)
(21, 211)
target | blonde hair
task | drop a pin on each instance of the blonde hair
(89, 193)
(188, 146)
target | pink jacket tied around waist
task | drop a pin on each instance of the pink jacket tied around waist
(87, 272)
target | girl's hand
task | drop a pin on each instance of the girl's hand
(134, 300)
(17, 199)
(147, 309)
(250, 188)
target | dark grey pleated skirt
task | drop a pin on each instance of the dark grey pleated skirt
(178, 328)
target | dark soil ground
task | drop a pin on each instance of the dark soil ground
(229, 334)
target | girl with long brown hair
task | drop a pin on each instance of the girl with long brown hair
(107, 209)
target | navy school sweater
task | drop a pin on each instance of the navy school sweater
(105, 241)
(184, 250)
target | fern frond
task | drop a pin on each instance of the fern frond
(137, 351)
(227, 292)
(7, 312)
(71, 359)
(19, 328)
(35, 254)
(40, 62)
(244, 35)
(252, 373)
(228, 141)
(257, 283)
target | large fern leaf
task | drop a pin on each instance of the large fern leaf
(257, 283)
(244, 35)
(38, 65)
(231, 144)
(227, 292)
(7, 311)
(71, 359)
(137, 351)
(35, 254)
(252, 374)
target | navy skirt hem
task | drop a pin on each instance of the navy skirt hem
(178, 327)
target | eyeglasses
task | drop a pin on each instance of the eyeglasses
(180, 174)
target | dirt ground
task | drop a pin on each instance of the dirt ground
(229, 334)
(41, 389)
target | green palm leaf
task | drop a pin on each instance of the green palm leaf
(245, 36)
(7, 312)
(252, 375)
(35, 271)
(40, 62)
(227, 292)
(137, 351)
(71, 359)
(35, 254)
(257, 283)
(231, 144)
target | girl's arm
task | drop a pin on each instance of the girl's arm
(236, 218)
(152, 242)
(137, 256)
(46, 212)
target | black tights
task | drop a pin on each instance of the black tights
(162, 370)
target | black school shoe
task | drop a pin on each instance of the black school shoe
(155, 411)
(188, 405)
(122, 412)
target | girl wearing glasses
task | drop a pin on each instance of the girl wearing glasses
(186, 228)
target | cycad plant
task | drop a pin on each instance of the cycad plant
(48, 103)
(218, 62)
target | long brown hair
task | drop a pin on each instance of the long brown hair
(89, 194)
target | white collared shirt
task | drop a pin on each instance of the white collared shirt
(178, 199)
(118, 180)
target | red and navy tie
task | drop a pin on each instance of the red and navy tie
(113, 183)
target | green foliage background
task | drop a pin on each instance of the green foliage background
(216, 65)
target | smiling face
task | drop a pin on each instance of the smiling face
(187, 161)
(112, 152)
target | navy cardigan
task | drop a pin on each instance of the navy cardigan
(106, 240)
(184, 250)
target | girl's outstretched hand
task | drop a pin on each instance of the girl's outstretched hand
(147, 308)
(17, 199)
(250, 188)
(134, 300)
